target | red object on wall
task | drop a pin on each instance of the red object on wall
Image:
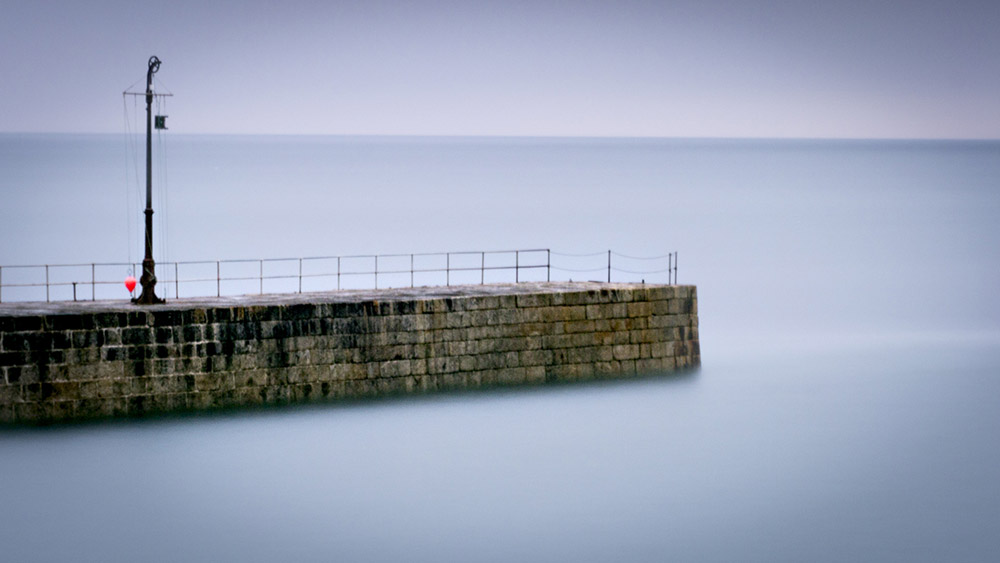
(130, 283)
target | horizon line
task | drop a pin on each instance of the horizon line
(539, 136)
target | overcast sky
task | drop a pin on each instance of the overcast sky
(866, 68)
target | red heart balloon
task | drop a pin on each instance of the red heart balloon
(130, 283)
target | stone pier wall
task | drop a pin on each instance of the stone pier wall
(73, 361)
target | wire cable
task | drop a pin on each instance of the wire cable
(665, 256)
(580, 270)
(554, 253)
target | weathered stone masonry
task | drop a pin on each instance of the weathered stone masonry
(115, 359)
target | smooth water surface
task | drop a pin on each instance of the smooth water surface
(846, 408)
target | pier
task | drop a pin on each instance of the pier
(65, 361)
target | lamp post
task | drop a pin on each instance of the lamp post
(148, 279)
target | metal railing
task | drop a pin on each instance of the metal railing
(202, 278)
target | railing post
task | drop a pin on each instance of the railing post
(46, 283)
(548, 265)
(74, 291)
(447, 268)
(300, 275)
(411, 270)
(218, 278)
(93, 282)
(262, 277)
(177, 283)
(675, 268)
(609, 266)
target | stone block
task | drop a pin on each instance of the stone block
(139, 319)
(534, 375)
(570, 313)
(359, 388)
(21, 324)
(244, 396)
(581, 355)
(626, 351)
(7, 413)
(586, 297)
(97, 389)
(565, 372)
(557, 341)
(534, 329)
(598, 312)
(29, 412)
(228, 398)
(23, 374)
(512, 316)
(664, 321)
(649, 365)
(90, 338)
(645, 336)
(60, 411)
(512, 376)
(203, 382)
(528, 358)
(22, 341)
(96, 408)
(136, 336)
(417, 366)
(533, 300)
(574, 327)
(333, 390)
(14, 358)
(494, 360)
(676, 306)
(466, 363)
(606, 369)
(9, 393)
(641, 309)
(660, 307)
(395, 368)
(658, 293)
(167, 318)
(621, 295)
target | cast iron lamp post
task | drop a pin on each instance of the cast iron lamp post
(148, 279)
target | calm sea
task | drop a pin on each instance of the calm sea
(848, 406)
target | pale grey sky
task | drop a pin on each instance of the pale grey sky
(866, 68)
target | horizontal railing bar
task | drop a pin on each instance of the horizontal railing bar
(241, 275)
(664, 257)
(100, 264)
(257, 260)
(406, 255)
(199, 280)
(460, 253)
